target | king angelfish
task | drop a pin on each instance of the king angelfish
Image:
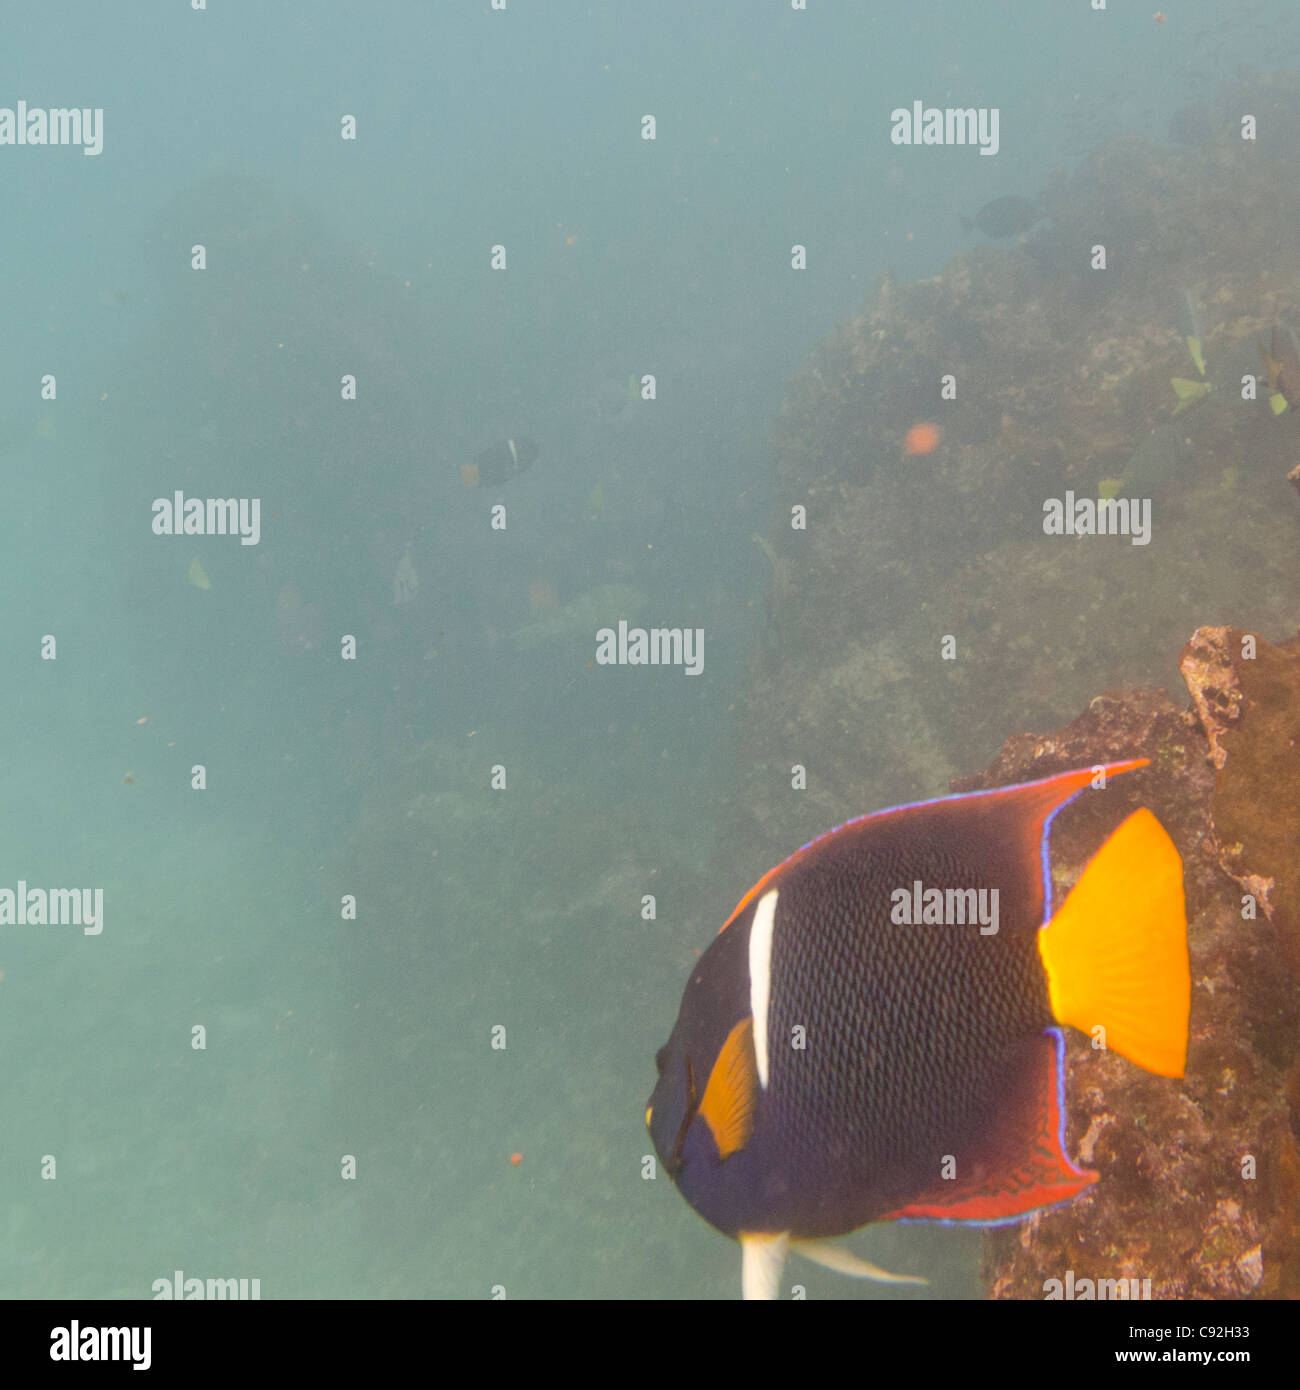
(875, 1033)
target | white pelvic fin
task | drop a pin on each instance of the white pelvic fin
(844, 1261)
(762, 1258)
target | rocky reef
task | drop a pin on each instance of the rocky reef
(1060, 381)
(1199, 1187)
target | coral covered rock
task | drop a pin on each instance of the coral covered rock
(1200, 1178)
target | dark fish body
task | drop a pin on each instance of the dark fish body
(833, 1065)
(1004, 217)
(500, 462)
(851, 1130)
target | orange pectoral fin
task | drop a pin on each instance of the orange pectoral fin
(732, 1091)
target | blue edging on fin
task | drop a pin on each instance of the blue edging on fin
(1059, 1037)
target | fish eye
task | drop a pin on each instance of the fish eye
(661, 1059)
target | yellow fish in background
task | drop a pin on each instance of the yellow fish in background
(1189, 325)
(197, 575)
(1188, 392)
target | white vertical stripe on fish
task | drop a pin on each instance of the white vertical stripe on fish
(760, 976)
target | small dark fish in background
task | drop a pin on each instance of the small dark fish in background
(1004, 217)
(874, 1034)
(500, 462)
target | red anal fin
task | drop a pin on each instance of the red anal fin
(1021, 1165)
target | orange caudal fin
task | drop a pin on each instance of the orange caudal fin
(1116, 951)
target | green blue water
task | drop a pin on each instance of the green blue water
(281, 777)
